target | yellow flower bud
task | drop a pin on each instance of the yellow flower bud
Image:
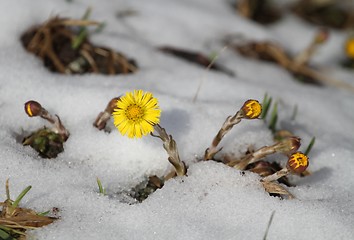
(298, 162)
(112, 105)
(33, 108)
(289, 144)
(349, 47)
(251, 109)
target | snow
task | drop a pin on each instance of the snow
(213, 201)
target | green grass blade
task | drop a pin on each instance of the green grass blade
(4, 235)
(7, 190)
(100, 188)
(19, 198)
(267, 101)
(309, 147)
(100, 27)
(83, 31)
(269, 223)
(43, 213)
(274, 118)
(79, 39)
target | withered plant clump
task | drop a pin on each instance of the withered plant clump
(331, 13)
(298, 65)
(196, 57)
(64, 47)
(142, 191)
(261, 11)
(15, 221)
(273, 175)
(48, 142)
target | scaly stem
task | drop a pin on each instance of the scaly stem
(170, 146)
(276, 176)
(253, 157)
(226, 127)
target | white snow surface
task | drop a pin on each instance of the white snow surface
(213, 201)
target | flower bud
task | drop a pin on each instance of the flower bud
(33, 108)
(349, 47)
(251, 109)
(112, 105)
(289, 144)
(298, 162)
(282, 134)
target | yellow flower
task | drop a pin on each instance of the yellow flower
(136, 114)
(251, 109)
(298, 162)
(33, 108)
(349, 47)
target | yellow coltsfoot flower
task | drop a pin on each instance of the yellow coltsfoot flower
(136, 114)
(349, 47)
(33, 108)
(298, 162)
(251, 109)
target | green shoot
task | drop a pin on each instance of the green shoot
(274, 118)
(83, 31)
(43, 213)
(269, 223)
(5, 233)
(213, 55)
(309, 147)
(265, 105)
(7, 190)
(19, 198)
(100, 188)
(100, 27)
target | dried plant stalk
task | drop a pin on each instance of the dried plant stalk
(170, 146)
(226, 127)
(252, 157)
(17, 219)
(67, 52)
(269, 51)
(276, 175)
(287, 145)
(273, 187)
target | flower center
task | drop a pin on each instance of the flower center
(134, 112)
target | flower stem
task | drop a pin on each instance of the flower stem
(253, 157)
(277, 175)
(226, 127)
(170, 146)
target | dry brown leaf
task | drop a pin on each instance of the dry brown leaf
(276, 188)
